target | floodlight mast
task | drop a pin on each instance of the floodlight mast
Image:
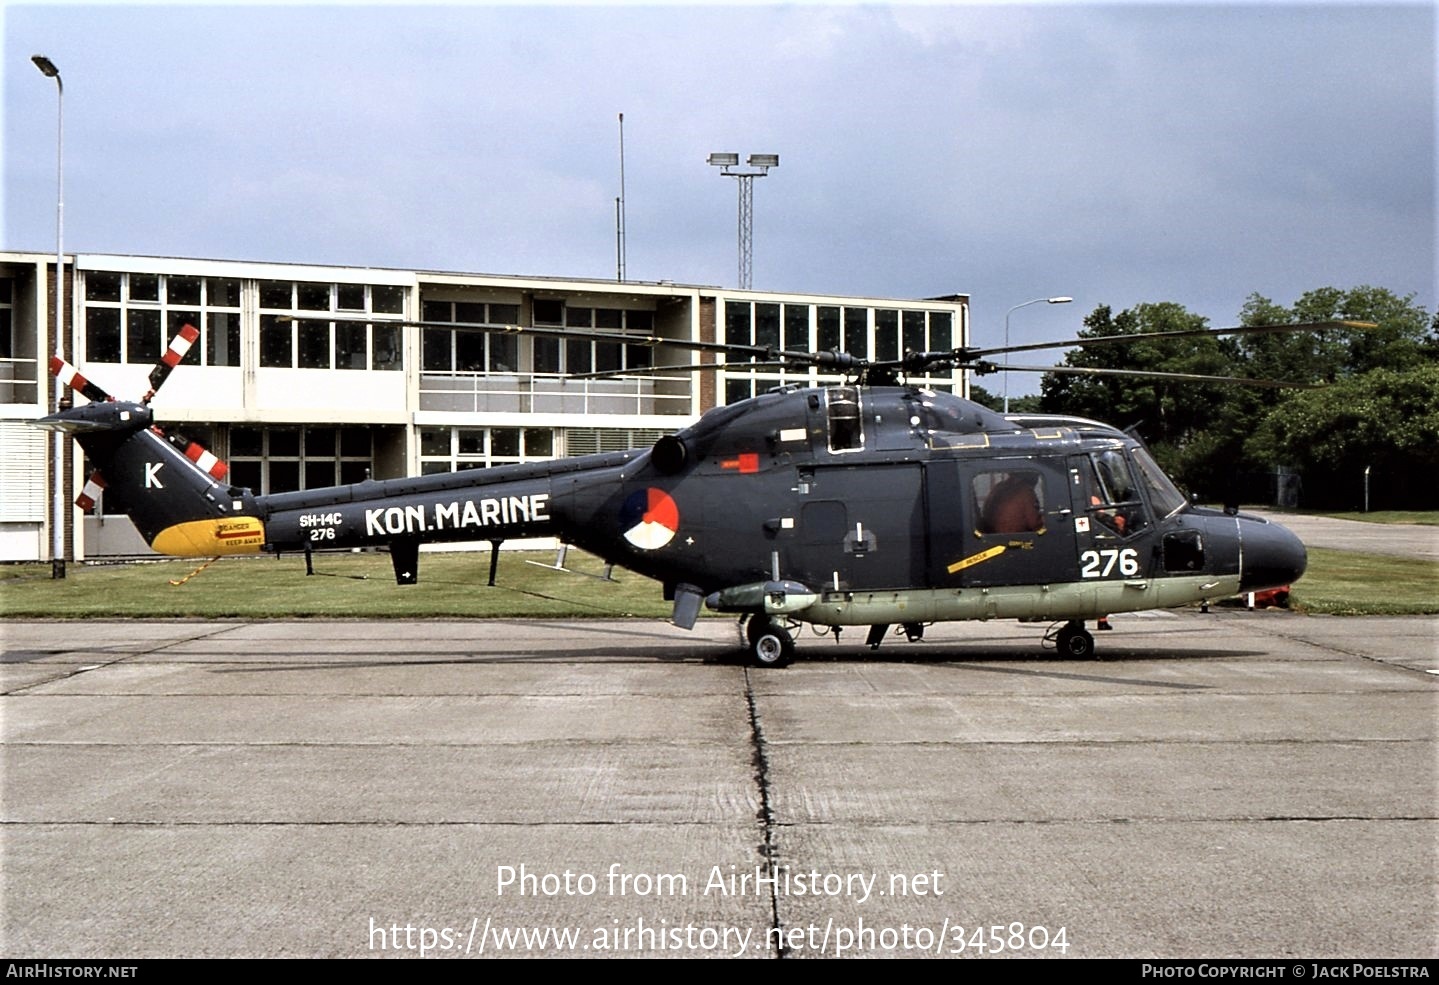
(57, 529)
(759, 165)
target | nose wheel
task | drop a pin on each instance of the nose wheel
(768, 643)
(1074, 641)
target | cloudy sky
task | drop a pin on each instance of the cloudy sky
(1115, 153)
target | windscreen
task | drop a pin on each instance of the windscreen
(1163, 496)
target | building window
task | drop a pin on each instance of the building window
(291, 337)
(739, 389)
(842, 329)
(796, 328)
(102, 335)
(577, 356)
(312, 456)
(444, 449)
(856, 332)
(143, 336)
(886, 332)
(466, 349)
(387, 299)
(7, 309)
(897, 332)
(131, 318)
(222, 321)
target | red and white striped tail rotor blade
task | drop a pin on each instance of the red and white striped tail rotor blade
(69, 376)
(179, 346)
(94, 486)
(206, 461)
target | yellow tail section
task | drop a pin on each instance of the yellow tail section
(206, 538)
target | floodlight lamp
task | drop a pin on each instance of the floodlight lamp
(763, 161)
(724, 160)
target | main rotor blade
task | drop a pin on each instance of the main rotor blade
(984, 368)
(1189, 333)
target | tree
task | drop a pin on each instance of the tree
(1026, 404)
(1370, 413)
(1170, 415)
(1404, 335)
(1207, 436)
(1384, 420)
(984, 398)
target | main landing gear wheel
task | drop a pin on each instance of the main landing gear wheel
(1075, 641)
(770, 644)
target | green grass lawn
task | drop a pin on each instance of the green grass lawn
(343, 586)
(1427, 517)
(1346, 583)
(454, 585)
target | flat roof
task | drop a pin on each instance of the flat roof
(403, 276)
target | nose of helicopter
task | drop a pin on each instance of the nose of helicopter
(1271, 555)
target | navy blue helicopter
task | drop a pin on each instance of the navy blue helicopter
(870, 502)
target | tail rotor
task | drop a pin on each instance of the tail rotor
(174, 489)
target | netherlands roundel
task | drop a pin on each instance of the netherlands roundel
(649, 518)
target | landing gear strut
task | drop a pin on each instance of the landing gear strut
(769, 643)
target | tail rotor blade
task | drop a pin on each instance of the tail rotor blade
(179, 346)
(207, 461)
(70, 376)
(204, 459)
(94, 486)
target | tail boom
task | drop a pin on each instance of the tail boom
(181, 503)
(368, 514)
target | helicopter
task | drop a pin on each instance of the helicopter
(868, 502)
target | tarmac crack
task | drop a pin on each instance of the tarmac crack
(766, 809)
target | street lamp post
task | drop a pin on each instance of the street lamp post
(1006, 337)
(759, 165)
(57, 527)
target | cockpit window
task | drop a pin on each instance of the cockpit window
(1116, 484)
(1114, 503)
(1166, 499)
(846, 430)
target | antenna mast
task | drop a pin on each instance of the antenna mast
(620, 211)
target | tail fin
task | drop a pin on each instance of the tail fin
(176, 499)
